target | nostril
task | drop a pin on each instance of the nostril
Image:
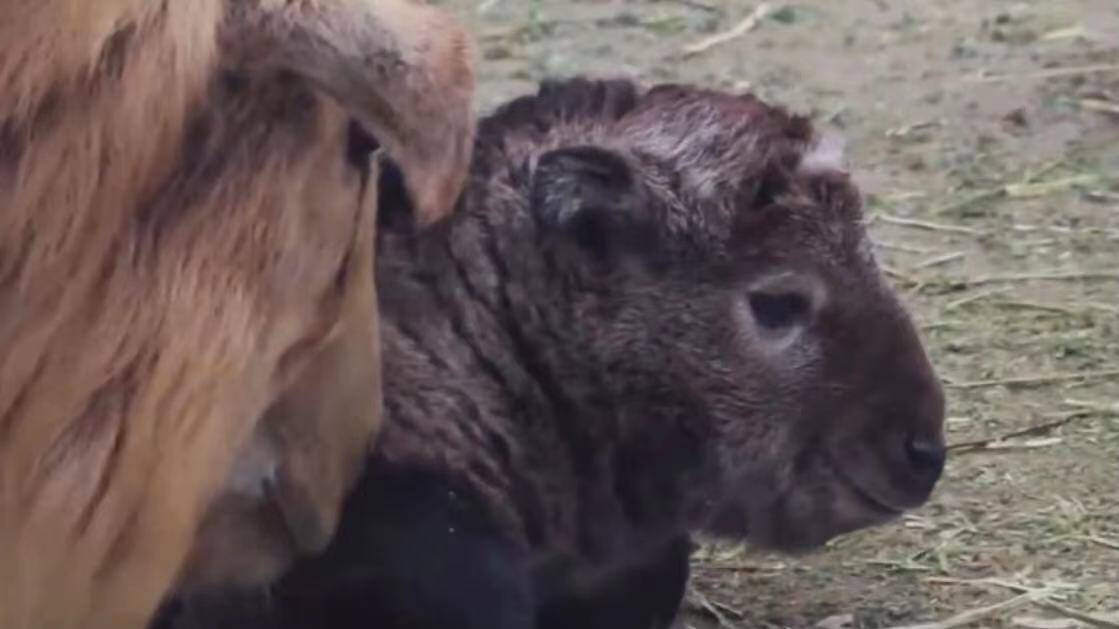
(926, 456)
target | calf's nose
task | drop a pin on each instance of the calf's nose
(926, 457)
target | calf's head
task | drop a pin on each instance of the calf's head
(737, 309)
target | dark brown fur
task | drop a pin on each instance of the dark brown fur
(186, 245)
(655, 313)
(578, 391)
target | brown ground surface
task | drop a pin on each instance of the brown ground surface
(986, 136)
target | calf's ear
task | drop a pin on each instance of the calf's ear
(590, 196)
(402, 69)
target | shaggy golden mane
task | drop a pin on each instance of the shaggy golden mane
(186, 245)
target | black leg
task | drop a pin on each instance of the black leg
(645, 596)
(412, 552)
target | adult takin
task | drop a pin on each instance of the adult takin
(188, 352)
(655, 313)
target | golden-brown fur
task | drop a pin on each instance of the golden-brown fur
(185, 271)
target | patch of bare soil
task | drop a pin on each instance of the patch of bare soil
(986, 135)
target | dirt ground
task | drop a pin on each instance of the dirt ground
(985, 134)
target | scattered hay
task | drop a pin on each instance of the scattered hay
(1051, 73)
(749, 23)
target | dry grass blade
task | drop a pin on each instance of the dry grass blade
(1071, 310)
(487, 5)
(1025, 189)
(1033, 305)
(1103, 106)
(1096, 407)
(972, 615)
(1051, 73)
(1040, 596)
(927, 225)
(1043, 188)
(1006, 446)
(941, 259)
(899, 275)
(999, 583)
(1031, 380)
(1033, 622)
(1039, 429)
(715, 610)
(839, 621)
(1099, 541)
(904, 248)
(905, 195)
(941, 325)
(702, 6)
(745, 26)
(963, 301)
(968, 201)
(901, 132)
(1057, 276)
(1071, 32)
(1111, 621)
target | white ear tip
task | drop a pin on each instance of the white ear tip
(826, 154)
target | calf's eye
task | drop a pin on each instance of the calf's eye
(778, 311)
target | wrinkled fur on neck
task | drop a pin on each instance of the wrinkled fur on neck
(566, 455)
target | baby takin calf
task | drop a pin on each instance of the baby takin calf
(655, 313)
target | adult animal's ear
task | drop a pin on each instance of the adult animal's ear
(590, 196)
(403, 70)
